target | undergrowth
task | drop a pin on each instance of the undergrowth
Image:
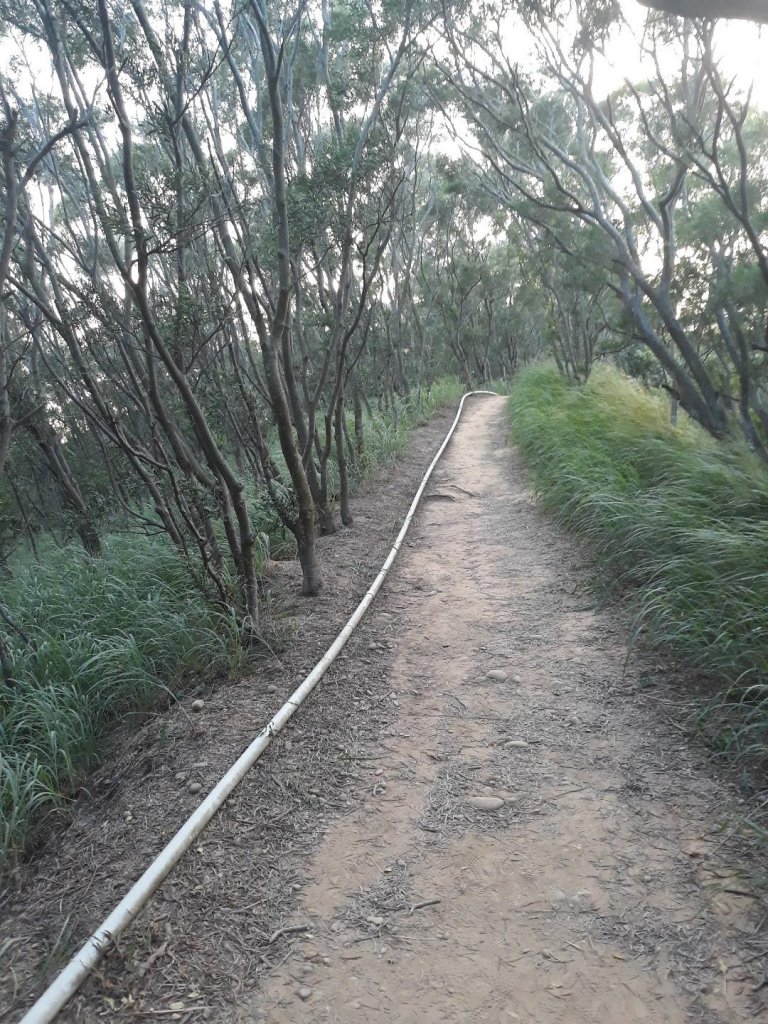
(676, 519)
(103, 639)
(386, 432)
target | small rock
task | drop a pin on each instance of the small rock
(305, 992)
(517, 679)
(195, 787)
(497, 674)
(271, 688)
(180, 776)
(516, 743)
(485, 803)
(197, 705)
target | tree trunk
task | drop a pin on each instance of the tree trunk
(359, 427)
(341, 455)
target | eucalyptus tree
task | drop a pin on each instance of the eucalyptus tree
(464, 277)
(319, 154)
(224, 185)
(622, 164)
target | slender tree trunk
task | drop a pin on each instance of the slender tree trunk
(341, 456)
(70, 492)
(359, 423)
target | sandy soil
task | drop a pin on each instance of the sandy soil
(427, 842)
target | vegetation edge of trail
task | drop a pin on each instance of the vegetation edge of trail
(675, 520)
(101, 639)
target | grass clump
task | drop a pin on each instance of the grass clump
(673, 516)
(386, 432)
(104, 638)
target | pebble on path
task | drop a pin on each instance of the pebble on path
(497, 674)
(485, 803)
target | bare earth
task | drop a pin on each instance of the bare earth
(353, 878)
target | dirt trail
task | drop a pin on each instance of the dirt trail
(597, 892)
(603, 888)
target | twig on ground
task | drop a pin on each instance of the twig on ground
(288, 930)
(423, 904)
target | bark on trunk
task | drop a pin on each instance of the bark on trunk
(341, 455)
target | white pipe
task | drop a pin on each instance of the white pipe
(61, 990)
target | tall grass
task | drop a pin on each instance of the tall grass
(674, 518)
(105, 638)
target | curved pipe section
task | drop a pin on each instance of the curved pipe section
(61, 990)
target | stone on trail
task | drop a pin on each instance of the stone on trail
(485, 803)
(197, 705)
(497, 674)
(195, 787)
(304, 992)
(516, 743)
